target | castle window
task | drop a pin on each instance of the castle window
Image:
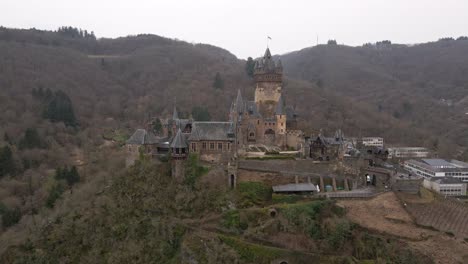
(265, 123)
(204, 145)
(258, 122)
(194, 147)
(220, 146)
(212, 145)
(228, 146)
(281, 123)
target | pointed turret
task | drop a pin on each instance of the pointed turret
(239, 103)
(267, 53)
(280, 107)
(179, 152)
(178, 142)
(175, 115)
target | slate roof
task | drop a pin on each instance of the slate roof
(211, 131)
(440, 165)
(446, 180)
(280, 107)
(290, 113)
(267, 53)
(142, 137)
(239, 105)
(295, 187)
(175, 115)
(179, 140)
(251, 108)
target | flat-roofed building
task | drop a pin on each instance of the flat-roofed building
(429, 168)
(449, 186)
(373, 142)
(408, 152)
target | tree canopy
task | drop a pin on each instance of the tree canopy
(200, 113)
(250, 66)
(7, 163)
(218, 82)
(60, 109)
(31, 140)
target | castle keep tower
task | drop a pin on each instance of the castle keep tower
(268, 79)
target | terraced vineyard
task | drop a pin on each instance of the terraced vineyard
(442, 214)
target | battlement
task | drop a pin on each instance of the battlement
(294, 133)
(263, 76)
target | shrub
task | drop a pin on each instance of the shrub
(339, 235)
(10, 217)
(253, 193)
(193, 170)
(7, 164)
(54, 194)
(284, 198)
(31, 140)
(232, 220)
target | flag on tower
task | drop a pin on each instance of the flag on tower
(268, 37)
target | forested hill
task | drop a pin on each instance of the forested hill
(68, 101)
(423, 84)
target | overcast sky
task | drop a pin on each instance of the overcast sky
(243, 26)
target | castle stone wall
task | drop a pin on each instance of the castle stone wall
(267, 91)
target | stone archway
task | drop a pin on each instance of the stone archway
(232, 181)
(269, 137)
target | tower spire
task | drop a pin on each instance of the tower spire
(175, 115)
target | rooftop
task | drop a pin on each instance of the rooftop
(211, 131)
(446, 180)
(142, 137)
(441, 165)
(295, 187)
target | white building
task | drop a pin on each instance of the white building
(408, 152)
(448, 186)
(373, 142)
(429, 168)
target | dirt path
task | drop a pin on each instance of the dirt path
(385, 214)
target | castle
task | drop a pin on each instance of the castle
(266, 120)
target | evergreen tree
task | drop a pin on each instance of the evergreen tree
(250, 67)
(31, 140)
(157, 126)
(218, 82)
(60, 109)
(60, 173)
(72, 176)
(200, 114)
(54, 194)
(10, 217)
(7, 164)
(7, 138)
(331, 42)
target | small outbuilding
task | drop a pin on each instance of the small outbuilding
(295, 188)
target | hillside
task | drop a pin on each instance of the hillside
(145, 217)
(68, 101)
(424, 85)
